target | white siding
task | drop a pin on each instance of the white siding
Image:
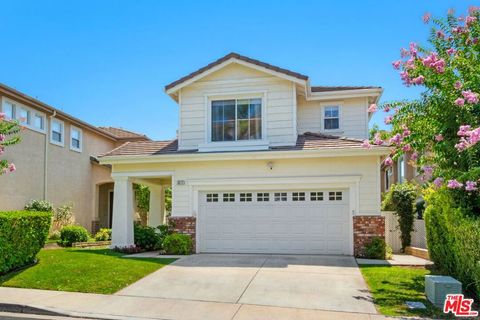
(353, 120)
(367, 167)
(231, 80)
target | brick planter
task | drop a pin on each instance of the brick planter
(185, 225)
(364, 229)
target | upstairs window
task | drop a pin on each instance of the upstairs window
(75, 139)
(57, 132)
(237, 119)
(39, 122)
(9, 110)
(24, 116)
(331, 118)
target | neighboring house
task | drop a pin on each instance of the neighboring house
(56, 160)
(399, 172)
(263, 163)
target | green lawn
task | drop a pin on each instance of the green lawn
(83, 270)
(392, 286)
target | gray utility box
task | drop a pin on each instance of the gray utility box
(437, 288)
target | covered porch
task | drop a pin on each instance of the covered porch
(125, 207)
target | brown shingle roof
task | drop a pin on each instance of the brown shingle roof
(122, 134)
(239, 57)
(340, 88)
(307, 141)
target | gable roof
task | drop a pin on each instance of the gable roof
(122, 134)
(237, 56)
(306, 141)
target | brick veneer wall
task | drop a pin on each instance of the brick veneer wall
(95, 227)
(185, 225)
(364, 229)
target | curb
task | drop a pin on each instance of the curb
(21, 308)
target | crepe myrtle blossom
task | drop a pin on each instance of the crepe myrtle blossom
(407, 148)
(413, 49)
(427, 170)
(388, 119)
(2, 137)
(377, 139)
(366, 144)
(2, 149)
(454, 184)
(396, 139)
(473, 9)
(470, 20)
(458, 85)
(438, 182)
(434, 62)
(396, 64)
(388, 161)
(460, 102)
(426, 17)
(451, 51)
(414, 156)
(463, 130)
(439, 137)
(418, 80)
(11, 167)
(470, 97)
(372, 108)
(470, 185)
(440, 34)
(405, 78)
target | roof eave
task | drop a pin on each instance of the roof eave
(343, 94)
(252, 155)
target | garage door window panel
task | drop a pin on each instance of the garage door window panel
(316, 196)
(280, 196)
(212, 197)
(263, 197)
(298, 196)
(229, 197)
(246, 197)
(335, 196)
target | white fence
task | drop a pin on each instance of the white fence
(392, 232)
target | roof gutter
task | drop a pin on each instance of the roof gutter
(254, 155)
(344, 94)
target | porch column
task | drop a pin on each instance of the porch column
(122, 224)
(157, 205)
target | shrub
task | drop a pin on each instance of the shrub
(39, 205)
(103, 235)
(163, 231)
(453, 239)
(55, 235)
(22, 235)
(376, 249)
(145, 237)
(177, 243)
(62, 216)
(71, 234)
(400, 198)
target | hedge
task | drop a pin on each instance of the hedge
(453, 239)
(22, 235)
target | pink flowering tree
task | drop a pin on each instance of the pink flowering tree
(9, 130)
(441, 131)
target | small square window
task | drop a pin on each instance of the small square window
(263, 197)
(335, 195)
(245, 197)
(316, 196)
(24, 116)
(331, 118)
(280, 196)
(229, 197)
(298, 196)
(212, 197)
(39, 122)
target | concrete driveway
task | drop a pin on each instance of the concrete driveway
(308, 282)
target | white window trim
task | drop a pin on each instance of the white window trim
(81, 139)
(340, 116)
(401, 163)
(16, 115)
(209, 145)
(62, 143)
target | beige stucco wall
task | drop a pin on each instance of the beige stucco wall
(368, 167)
(71, 176)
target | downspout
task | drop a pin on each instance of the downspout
(45, 160)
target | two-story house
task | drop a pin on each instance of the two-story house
(263, 163)
(56, 160)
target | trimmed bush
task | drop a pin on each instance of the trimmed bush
(177, 243)
(71, 234)
(39, 205)
(22, 235)
(145, 237)
(104, 235)
(376, 249)
(453, 238)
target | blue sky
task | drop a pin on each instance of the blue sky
(107, 62)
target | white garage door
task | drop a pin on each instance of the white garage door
(295, 222)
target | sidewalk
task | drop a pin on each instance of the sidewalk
(130, 307)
